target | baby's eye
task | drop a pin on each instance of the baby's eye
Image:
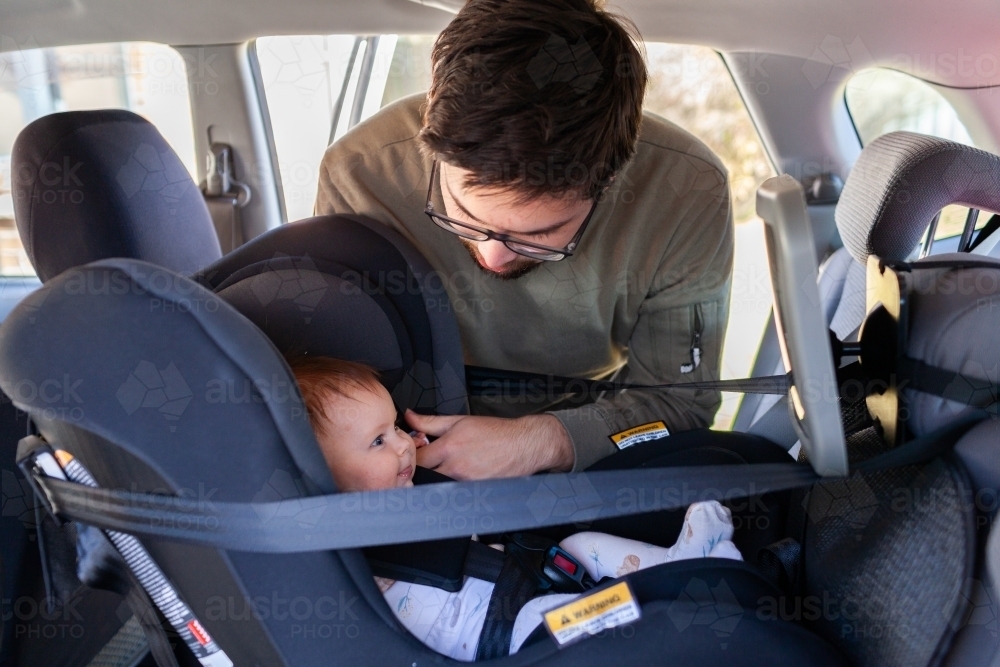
(378, 442)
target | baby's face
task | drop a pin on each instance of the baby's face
(363, 447)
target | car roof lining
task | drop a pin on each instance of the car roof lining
(854, 34)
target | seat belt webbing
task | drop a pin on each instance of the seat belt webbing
(483, 562)
(149, 621)
(148, 577)
(431, 511)
(491, 381)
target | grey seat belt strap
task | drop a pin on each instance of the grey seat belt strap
(436, 511)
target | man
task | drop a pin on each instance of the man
(574, 234)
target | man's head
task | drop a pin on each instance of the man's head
(355, 424)
(534, 107)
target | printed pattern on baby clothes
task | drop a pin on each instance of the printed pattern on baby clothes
(449, 623)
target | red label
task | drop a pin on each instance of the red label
(566, 564)
(199, 632)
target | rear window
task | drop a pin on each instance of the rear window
(883, 100)
(149, 79)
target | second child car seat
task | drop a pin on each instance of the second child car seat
(891, 195)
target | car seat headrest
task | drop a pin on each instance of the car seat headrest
(351, 288)
(150, 361)
(91, 185)
(900, 181)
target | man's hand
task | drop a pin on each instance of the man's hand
(485, 447)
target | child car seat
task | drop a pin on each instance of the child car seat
(861, 532)
(884, 209)
(89, 185)
(237, 431)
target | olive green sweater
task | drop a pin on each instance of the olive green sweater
(650, 278)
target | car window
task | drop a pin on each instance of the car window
(149, 79)
(691, 86)
(883, 100)
(303, 78)
(311, 86)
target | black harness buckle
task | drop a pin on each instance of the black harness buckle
(550, 566)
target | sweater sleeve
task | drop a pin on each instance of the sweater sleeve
(677, 338)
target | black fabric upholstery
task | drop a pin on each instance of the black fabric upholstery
(351, 288)
(900, 181)
(91, 185)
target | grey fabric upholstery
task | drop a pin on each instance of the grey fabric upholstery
(850, 308)
(954, 317)
(900, 181)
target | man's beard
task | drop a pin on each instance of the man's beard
(511, 271)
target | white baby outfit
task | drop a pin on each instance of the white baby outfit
(450, 623)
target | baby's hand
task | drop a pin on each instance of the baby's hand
(419, 439)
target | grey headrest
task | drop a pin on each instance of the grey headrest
(900, 181)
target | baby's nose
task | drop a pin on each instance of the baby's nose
(401, 443)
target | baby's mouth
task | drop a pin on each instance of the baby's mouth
(406, 473)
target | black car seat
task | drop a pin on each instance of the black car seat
(885, 208)
(250, 447)
(869, 535)
(90, 185)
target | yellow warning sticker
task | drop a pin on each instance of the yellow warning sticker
(637, 434)
(593, 613)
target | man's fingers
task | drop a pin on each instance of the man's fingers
(430, 456)
(431, 425)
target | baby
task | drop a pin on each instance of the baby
(356, 426)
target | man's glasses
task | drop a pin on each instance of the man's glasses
(521, 247)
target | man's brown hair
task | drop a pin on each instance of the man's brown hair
(539, 97)
(321, 377)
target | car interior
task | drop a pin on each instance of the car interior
(862, 144)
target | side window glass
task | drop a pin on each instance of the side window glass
(882, 101)
(691, 86)
(410, 68)
(149, 79)
(319, 86)
(304, 80)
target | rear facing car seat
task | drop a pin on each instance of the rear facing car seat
(885, 208)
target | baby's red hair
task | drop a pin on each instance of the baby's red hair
(319, 378)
